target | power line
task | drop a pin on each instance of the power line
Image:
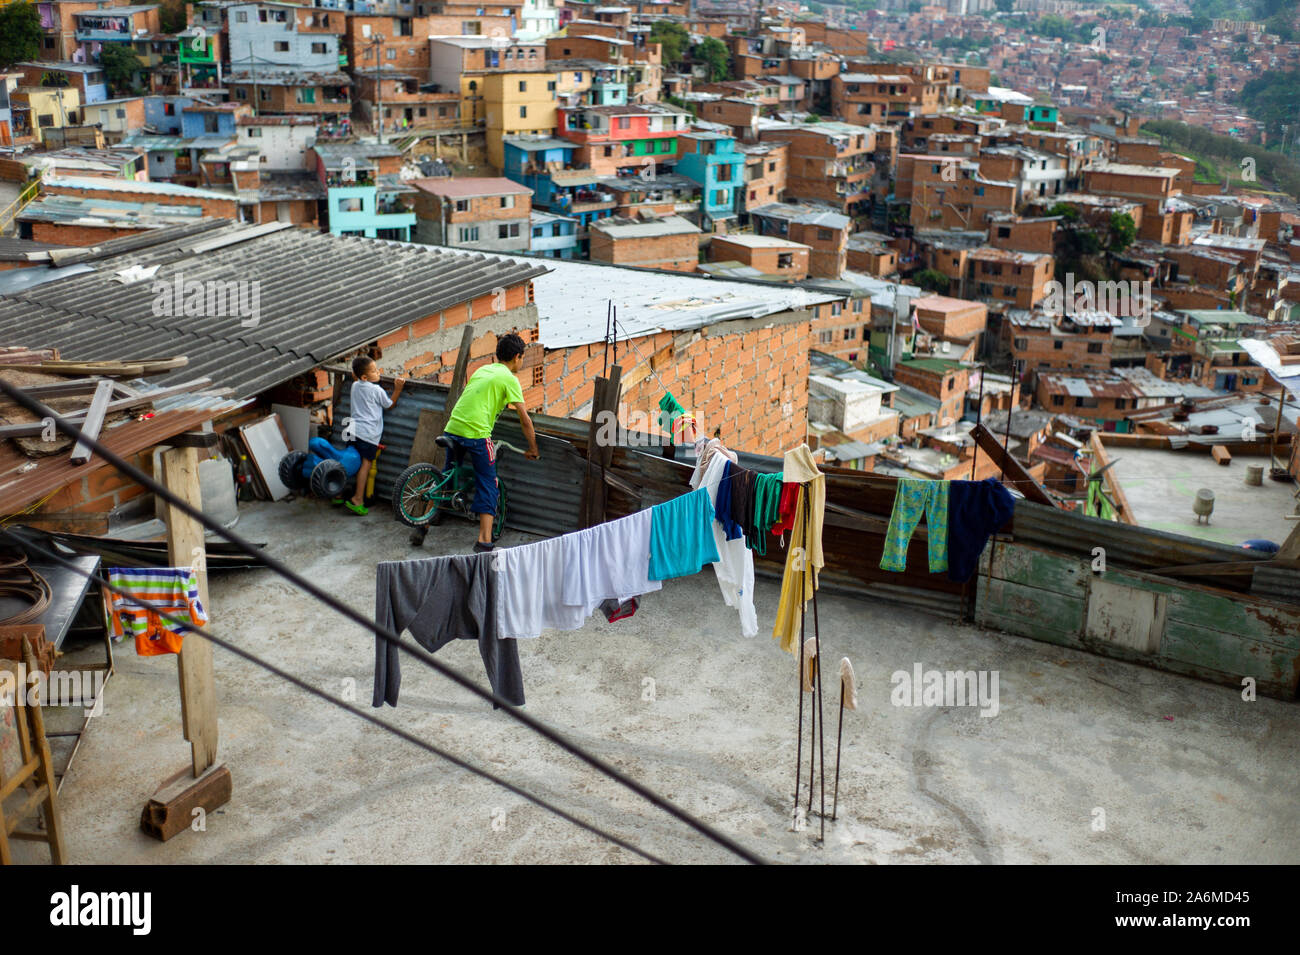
(342, 704)
(419, 653)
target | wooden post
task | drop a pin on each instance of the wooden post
(185, 548)
(433, 423)
(1010, 467)
(604, 399)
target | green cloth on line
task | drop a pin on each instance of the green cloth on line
(913, 498)
(767, 509)
(670, 411)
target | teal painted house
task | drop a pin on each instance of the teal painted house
(360, 197)
(711, 161)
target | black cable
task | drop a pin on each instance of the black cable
(368, 717)
(419, 653)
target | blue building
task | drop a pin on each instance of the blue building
(360, 199)
(209, 119)
(554, 236)
(711, 161)
(545, 165)
(162, 114)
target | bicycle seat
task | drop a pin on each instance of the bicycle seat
(444, 441)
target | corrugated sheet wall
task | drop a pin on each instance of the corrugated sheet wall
(543, 496)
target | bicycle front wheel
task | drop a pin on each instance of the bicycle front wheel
(417, 492)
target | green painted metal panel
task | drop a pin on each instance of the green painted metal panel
(1029, 611)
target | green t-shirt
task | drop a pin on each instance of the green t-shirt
(488, 390)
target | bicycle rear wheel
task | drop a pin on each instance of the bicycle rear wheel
(416, 494)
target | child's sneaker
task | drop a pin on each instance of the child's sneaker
(482, 548)
(356, 508)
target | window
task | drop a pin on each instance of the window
(1085, 402)
(264, 95)
(318, 47)
(254, 132)
(825, 338)
(169, 109)
(241, 93)
(350, 205)
(550, 87)
(510, 231)
(1120, 404)
(1058, 345)
(469, 233)
(507, 202)
(523, 86)
(537, 232)
(241, 16)
(306, 94)
(724, 174)
(577, 77)
(281, 46)
(1058, 400)
(784, 260)
(462, 205)
(523, 111)
(836, 308)
(771, 167)
(850, 334)
(390, 53)
(624, 122)
(121, 113)
(1094, 348)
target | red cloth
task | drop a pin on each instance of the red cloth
(789, 496)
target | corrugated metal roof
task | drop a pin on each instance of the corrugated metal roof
(319, 296)
(572, 301)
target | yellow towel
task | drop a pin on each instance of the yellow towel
(804, 558)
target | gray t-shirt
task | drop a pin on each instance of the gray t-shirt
(368, 404)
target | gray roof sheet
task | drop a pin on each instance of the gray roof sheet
(320, 296)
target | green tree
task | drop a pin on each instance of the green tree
(1122, 232)
(713, 53)
(1065, 211)
(1005, 6)
(20, 33)
(931, 280)
(120, 67)
(673, 38)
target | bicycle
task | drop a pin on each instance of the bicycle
(424, 493)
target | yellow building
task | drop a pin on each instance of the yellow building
(51, 107)
(516, 103)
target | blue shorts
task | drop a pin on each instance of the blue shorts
(365, 449)
(484, 458)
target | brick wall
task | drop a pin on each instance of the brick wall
(216, 208)
(427, 348)
(677, 253)
(747, 381)
(59, 233)
(84, 506)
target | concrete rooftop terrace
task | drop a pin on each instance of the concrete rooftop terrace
(1185, 771)
(1161, 485)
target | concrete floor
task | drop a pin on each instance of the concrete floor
(1161, 485)
(1184, 771)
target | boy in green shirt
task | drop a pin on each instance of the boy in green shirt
(488, 391)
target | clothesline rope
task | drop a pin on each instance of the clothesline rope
(271, 668)
(126, 469)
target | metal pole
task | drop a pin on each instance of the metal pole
(798, 688)
(839, 742)
(822, 738)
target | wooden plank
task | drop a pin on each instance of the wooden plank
(1026, 611)
(185, 548)
(32, 429)
(1020, 478)
(90, 428)
(172, 808)
(266, 446)
(1227, 658)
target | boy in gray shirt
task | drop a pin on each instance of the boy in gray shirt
(369, 401)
